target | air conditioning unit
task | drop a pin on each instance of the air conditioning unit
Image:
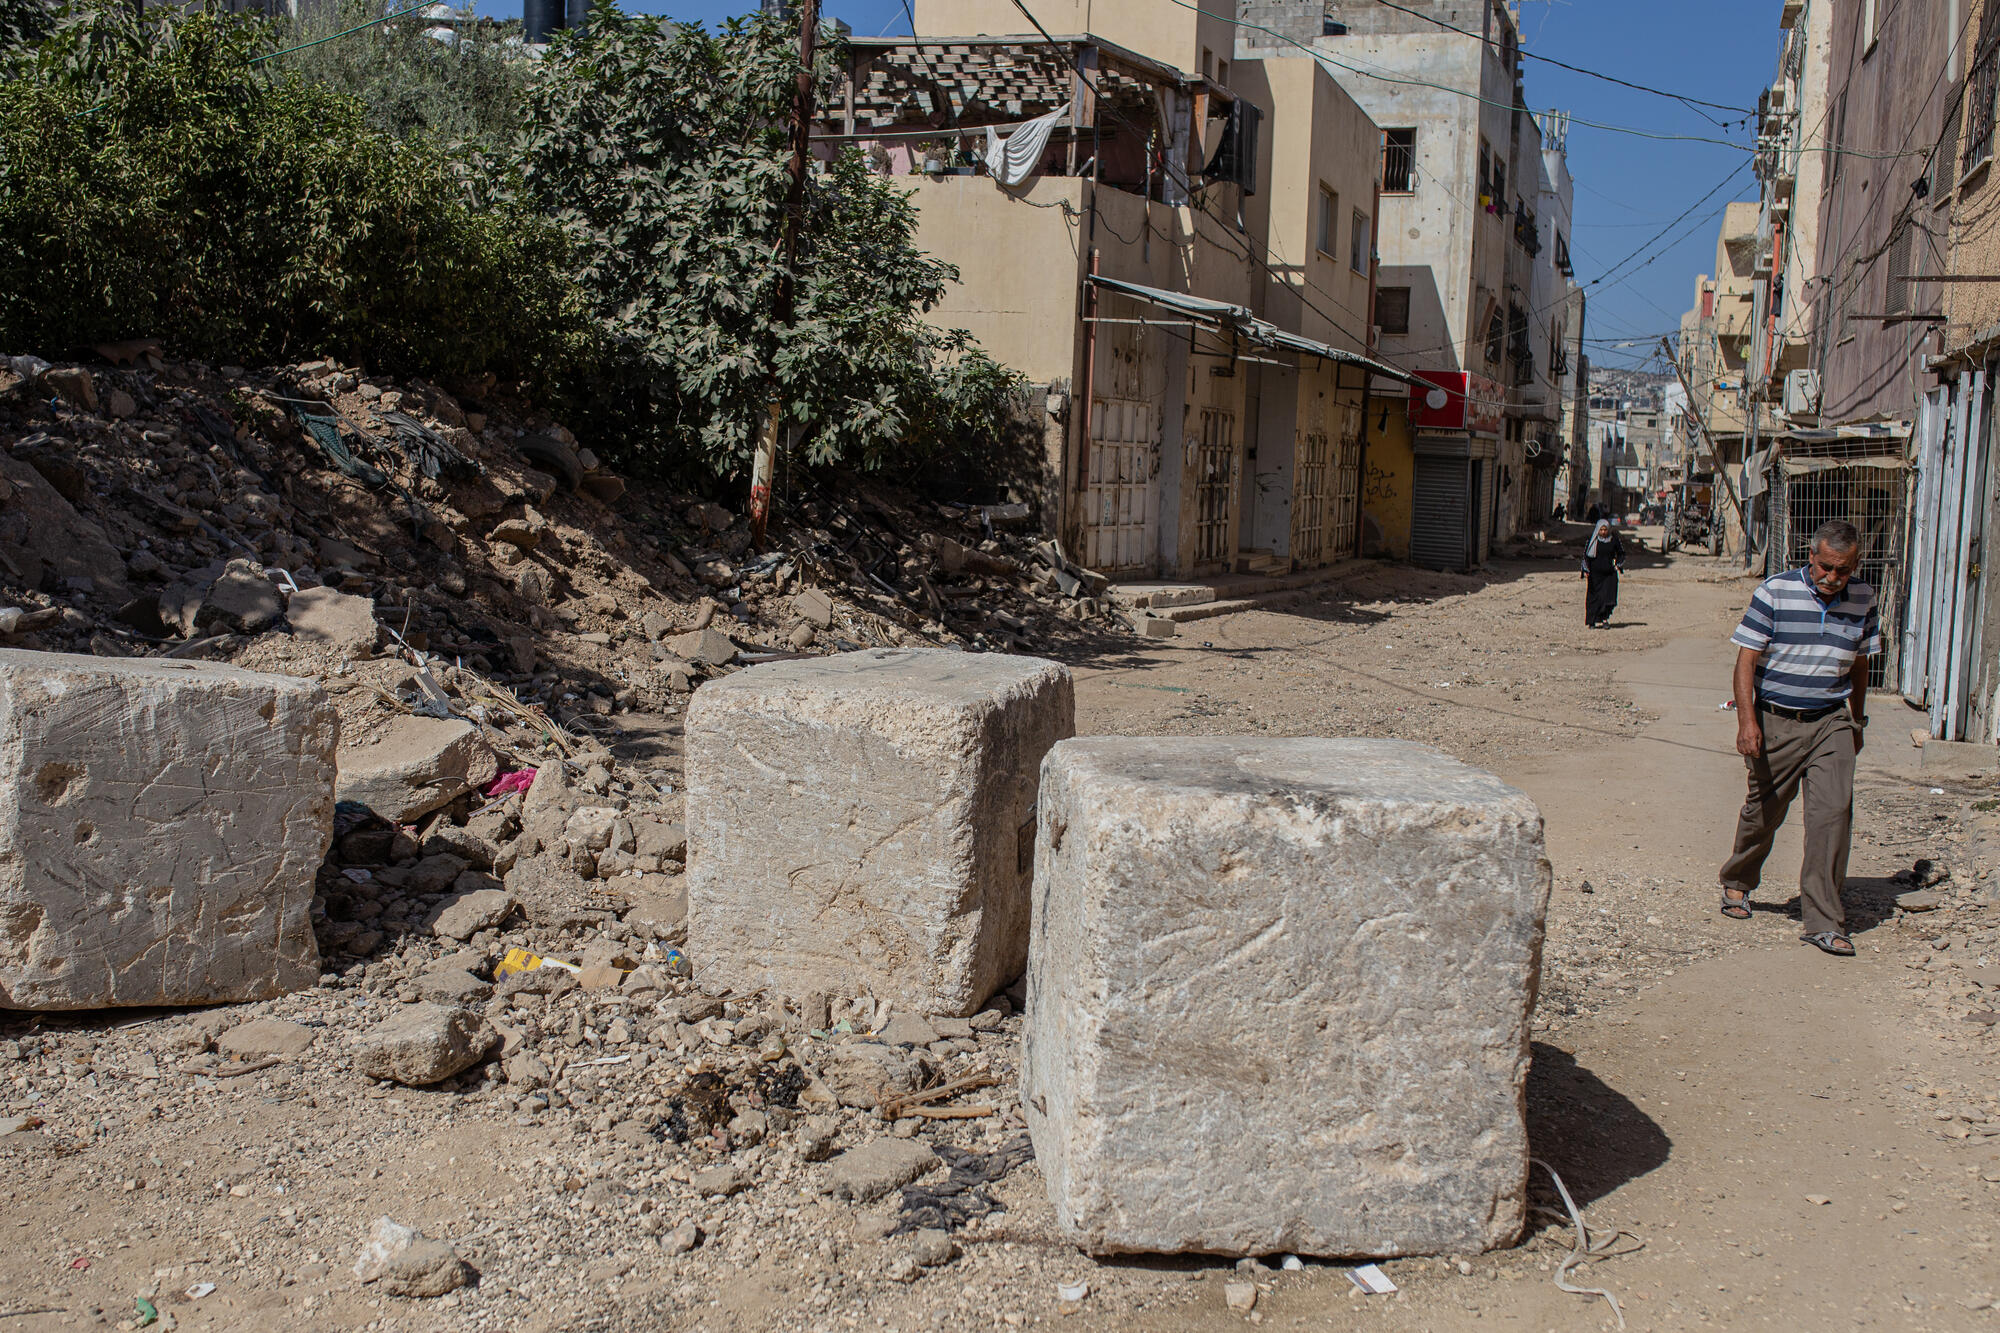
(1802, 393)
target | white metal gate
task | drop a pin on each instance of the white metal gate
(1945, 581)
(1119, 516)
(1216, 472)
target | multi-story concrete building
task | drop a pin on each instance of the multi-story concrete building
(1474, 212)
(1177, 244)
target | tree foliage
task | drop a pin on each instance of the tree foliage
(460, 84)
(154, 180)
(661, 151)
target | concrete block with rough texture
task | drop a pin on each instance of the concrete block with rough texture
(1278, 997)
(863, 824)
(160, 826)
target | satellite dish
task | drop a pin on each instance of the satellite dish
(1436, 400)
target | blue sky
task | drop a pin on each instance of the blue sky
(1627, 187)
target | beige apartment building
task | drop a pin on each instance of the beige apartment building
(1181, 257)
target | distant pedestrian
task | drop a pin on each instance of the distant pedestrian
(1592, 514)
(1801, 706)
(1603, 559)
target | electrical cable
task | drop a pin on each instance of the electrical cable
(401, 13)
(1574, 69)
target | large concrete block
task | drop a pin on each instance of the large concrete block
(1278, 997)
(864, 823)
(160, 826)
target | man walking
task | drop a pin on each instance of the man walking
(1801, 706)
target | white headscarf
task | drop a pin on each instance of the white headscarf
(1598, 534)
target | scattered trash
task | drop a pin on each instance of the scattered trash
(507, 783)
(1585, 1248)
(1072, 1291)
(601, 1060)
(199, 1290)
(1291, 1263)
(18, 1124)
(962, 1195)
(79, 1264)
(1937, 791)
(1727, 706)
(357, 874)
(1371, 1279)
(146, 1311)
(1819, 1200)
(520, 960)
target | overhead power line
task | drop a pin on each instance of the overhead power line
(1574, 69)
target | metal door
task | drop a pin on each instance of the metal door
(1343, 537)
(1309, 500)
(1119, 514)
(1440, 516)
(1216, 470)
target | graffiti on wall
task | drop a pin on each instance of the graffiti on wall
(1381, 484)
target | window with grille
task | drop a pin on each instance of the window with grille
(1392, 309)
(1496, 335)
(1357, 243)
(1897, 286)
(1399, 161)
(1978, 106)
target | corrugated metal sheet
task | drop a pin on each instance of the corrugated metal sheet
(1439, 513)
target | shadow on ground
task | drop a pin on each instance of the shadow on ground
(1594, 1135)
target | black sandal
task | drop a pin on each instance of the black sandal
(1736, 909)
(1831, 941)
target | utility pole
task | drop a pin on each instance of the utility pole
(764, 464)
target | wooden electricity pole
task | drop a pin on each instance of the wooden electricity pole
(764, 464)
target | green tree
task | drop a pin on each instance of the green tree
(460, 84)
(660, 150)
(155, 179)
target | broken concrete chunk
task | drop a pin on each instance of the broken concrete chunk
(867, 1073)
(452, 985)
(1371, 909)
(908, 1030)
(867, 1173)
(43, 539)
(161, 823)
(336, 620)
(814, 607)
(469, 913)
(710, 647)
(415, 766)
(406, 1263)
(265, 1037)
(75, 385)
(241, 600)
(863, 823)
(423, 1043)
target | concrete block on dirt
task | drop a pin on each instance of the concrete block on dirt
(1279, 997)
(160, 826)
(334, 619)
(414, 766)
(1957, 759)
(863, 824)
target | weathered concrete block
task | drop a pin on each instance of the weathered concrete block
(864, 823)
(1279, 995)
(160, 826)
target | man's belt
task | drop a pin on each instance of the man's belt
(1802, 714)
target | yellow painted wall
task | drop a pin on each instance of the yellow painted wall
(1016, 252)
(1390, 475)
(1165, 32)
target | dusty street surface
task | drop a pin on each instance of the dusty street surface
(1794, 1141)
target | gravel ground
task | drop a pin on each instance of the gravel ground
(684, 1181)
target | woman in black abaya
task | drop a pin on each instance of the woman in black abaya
(1602, 560)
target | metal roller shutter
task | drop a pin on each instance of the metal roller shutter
(1439, 514)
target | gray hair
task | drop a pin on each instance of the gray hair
(1837, 535)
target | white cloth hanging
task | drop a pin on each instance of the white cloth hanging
(1013, 159)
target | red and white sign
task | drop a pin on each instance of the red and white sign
(1456, 401)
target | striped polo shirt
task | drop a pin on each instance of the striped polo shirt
(1808, 645)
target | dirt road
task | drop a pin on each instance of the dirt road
(1797, 1142)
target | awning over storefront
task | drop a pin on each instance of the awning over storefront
(1224, 317)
